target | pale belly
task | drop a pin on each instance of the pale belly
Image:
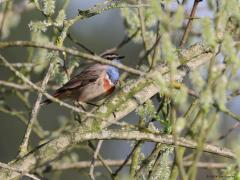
(92, 92)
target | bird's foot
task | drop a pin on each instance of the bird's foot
(92, 104)
(114, 115)
(79, 104)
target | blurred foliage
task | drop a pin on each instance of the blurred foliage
(7, 12)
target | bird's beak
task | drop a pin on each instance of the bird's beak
(120, 57)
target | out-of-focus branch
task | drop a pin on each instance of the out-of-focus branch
(4, 15)
(225, 110)
(92, 166)
(14, 85)
(127, 135)
(59, 166)
(137, 136)
(229, 131)
(36, 128)
(70, 51)
(126, 160)
(148, 163)
(24, 87)
(99, 157)
(189, 24)
(24, 146)
(122, 43)
(143, 31)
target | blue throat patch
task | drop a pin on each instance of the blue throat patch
(113, 74)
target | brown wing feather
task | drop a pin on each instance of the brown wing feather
(89, 75)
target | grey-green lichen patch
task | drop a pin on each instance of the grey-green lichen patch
(161, 169)
(103, 109)
(95, 126)
(146, 111)
(8, 173)
(51, 150)
(194, 51)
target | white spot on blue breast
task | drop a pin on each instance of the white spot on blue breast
(113, 74)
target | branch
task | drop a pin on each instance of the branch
(14, 85)
(122, 104)
(24, 146)
(92, 166)
(36, 128)
(60, 166)
(70, 51)
(76, 137)
(143, 31)
(4, 16)
(22, 173)
(189, 24)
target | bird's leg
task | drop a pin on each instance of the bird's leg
(96, 105)
(92, 104)
(83, 108)
(114, 115)
(79, 104)
(76, 115)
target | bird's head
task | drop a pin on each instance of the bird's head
(112, 56)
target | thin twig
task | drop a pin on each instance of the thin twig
(24, 146)
(155, 46)
(178, 157)
(135, 158)
(207, 165)
(4, 15)
(27, 65)
(148, 162)
(222, 109)
(91, 170)
(125, 40)
(70, 51)
(143, 31)
(36, 128)
(126, 160)
(235, 126)
(100, 158)
(151, 49)
(80, 44)
(24, 87)
(56, 166)
(189, 24)
(14, 85)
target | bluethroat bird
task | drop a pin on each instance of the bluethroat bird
(92, 84)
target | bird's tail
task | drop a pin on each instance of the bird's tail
(48, 101)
